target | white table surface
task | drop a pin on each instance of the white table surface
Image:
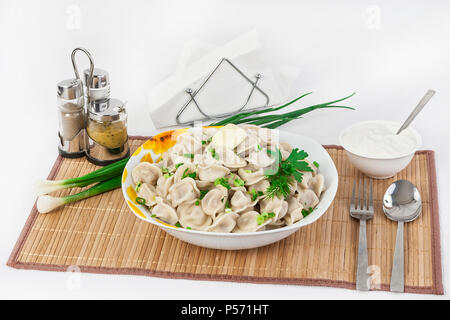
(389, 53)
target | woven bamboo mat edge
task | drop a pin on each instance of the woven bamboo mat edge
(437, 287)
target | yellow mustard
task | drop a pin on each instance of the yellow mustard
(110, 134)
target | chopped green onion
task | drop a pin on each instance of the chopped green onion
(189, 155)
(153, 215)
(189, 228)
(165, 170)
(214, 154)
(138, 186)
(239, 182)
(186, 174)
(316, 164)
(306, 212)
(222, 181)
(248, 171)
(197, 203)
(178, 165)
(261, 218)
(168, 175)
(207, 141)
(178, 225)
(228, 210)
(254, 194)
(140, 200)
(203, 193)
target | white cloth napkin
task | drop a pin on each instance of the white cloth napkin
(226, 90)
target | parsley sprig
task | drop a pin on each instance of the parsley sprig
(286, 172)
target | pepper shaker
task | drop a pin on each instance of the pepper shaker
(99, 86)
(70, 103)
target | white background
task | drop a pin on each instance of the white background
(389, 52)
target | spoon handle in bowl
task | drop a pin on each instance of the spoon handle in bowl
(397, 276)
(430, 93)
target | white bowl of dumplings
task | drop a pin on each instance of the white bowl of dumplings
(184, 193)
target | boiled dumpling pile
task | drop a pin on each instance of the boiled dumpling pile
(213, 179)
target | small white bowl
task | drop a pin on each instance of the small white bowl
(380, 168)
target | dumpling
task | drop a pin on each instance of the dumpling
(225, 222)
(148, 193)
(265, 136)
(212, 172)
(276, 205)
(305, 180)
(164, 212)
(163, 184)
(294, 213)
(193, 216)
(215, 200)
(187, 143)
(209, 132)
(182, 191)
(249, 143)
(146, 172)
(231, 159)
(251, 176)
(308, 198)
(241, 201)
(210, 156)
(260, 186)
(313, 167)
(285, 149)
(183, 170)
(317, 184)
(260, 158)
(204, 185)
(247, 222)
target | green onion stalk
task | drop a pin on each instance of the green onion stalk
(103, 174)
(46, 203)
(273, 121)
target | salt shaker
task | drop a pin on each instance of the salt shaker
(71, 114)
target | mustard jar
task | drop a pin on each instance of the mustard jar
(106, 127)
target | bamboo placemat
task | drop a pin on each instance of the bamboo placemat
(101, 235)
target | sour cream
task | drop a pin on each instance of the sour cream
(378, 139)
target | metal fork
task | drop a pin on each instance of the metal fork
(362, 209)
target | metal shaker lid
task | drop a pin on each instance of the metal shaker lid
(100, 78)
(106, 110)
(70, 89)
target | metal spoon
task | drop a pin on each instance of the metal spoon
(430, 93)
(401, 203)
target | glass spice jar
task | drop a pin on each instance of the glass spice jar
(71, 116)
(107, 131)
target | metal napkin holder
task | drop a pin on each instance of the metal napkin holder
(192, 93)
